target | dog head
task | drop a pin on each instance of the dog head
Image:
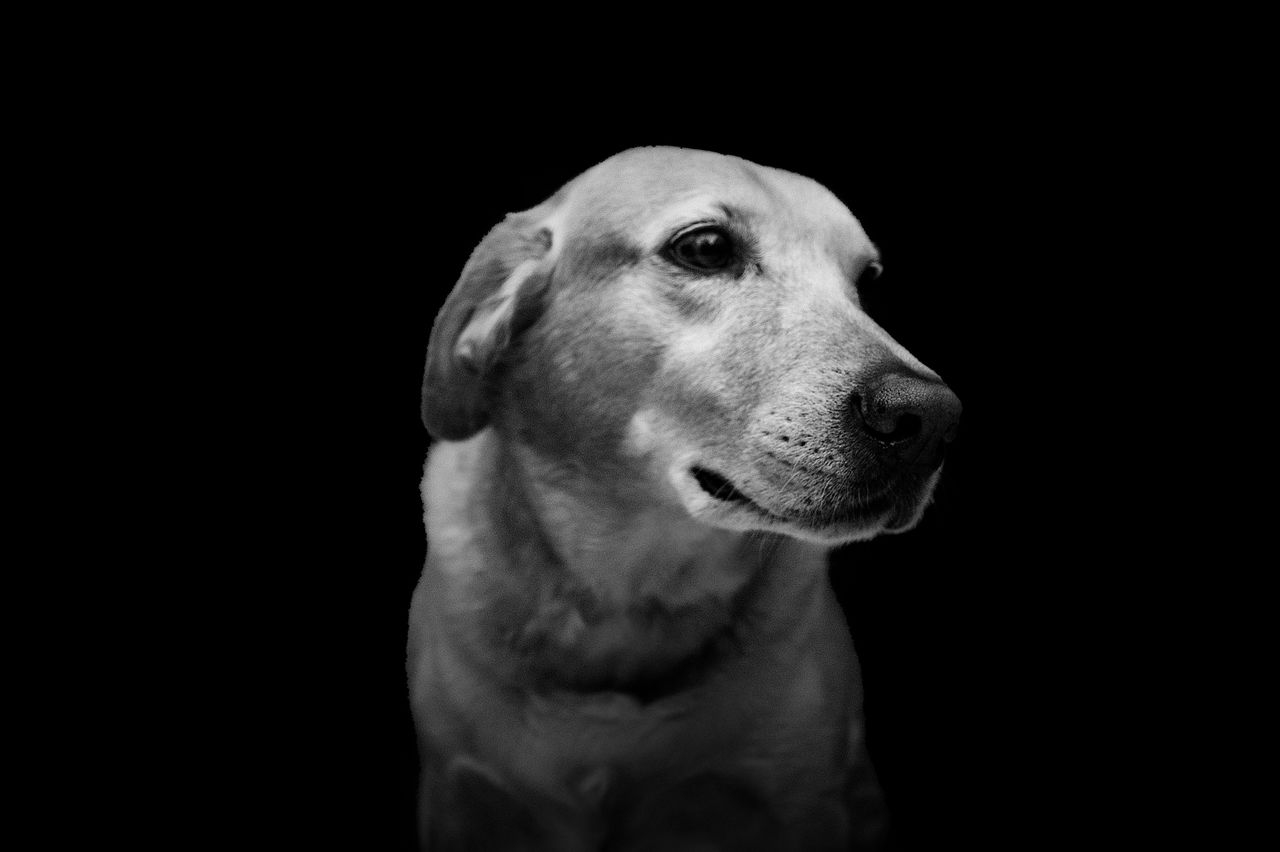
(685, 328)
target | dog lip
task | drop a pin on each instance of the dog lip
(724, 491)
(859, 512)
(718, 486)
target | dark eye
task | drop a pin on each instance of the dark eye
(706, 249)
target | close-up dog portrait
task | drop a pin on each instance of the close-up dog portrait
(658, 402)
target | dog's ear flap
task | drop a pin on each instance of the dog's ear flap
(499, 294)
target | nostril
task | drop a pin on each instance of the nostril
(885, 423)
(894, 428)
(907, 427)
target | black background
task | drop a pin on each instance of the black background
(976, 631)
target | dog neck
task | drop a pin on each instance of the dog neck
(576, 583)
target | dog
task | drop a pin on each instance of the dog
(658, 405)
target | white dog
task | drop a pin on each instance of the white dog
(659, 405)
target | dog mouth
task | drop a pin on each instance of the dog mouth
(859, 511)
(719, 487)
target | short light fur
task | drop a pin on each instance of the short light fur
(602, 653)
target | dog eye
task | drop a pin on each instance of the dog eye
(706, 249)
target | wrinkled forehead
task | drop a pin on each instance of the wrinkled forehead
(647, 194)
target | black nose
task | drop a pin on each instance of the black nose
(906, 415)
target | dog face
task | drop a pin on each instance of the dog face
(685, 329)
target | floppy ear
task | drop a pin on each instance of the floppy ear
(498, 296)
